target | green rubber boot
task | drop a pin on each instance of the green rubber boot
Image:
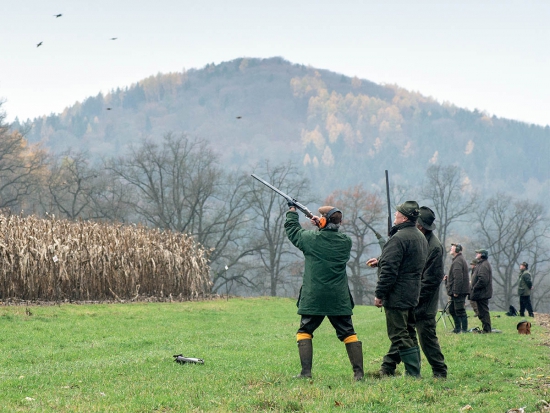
(411, 359)
(305, 349)
(355, 354)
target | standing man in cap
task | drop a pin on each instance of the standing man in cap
(398, 288)
(426, 310)
(458, 288)
(482, 288)
(524, 290)
(325, 291)
(473, 264)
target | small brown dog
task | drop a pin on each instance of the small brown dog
(524, 327)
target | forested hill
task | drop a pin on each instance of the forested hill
(342, 130)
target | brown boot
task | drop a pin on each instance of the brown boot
(305, 349)
(355, 354)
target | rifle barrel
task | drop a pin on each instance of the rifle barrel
(289, 199)
(388, 197)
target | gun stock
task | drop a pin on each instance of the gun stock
(381, 240)
(371, 228)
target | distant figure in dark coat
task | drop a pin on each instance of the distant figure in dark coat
(458, 288)
(473, 264)
(482, 288)
(525, 284)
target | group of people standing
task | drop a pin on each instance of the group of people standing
(410, 271)
(459, 288)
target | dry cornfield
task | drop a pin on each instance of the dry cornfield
(59, 260)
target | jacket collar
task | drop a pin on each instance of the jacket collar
(398, 227)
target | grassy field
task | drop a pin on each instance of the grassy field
(118, 358)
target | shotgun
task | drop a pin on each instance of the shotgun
(291, 201)
(381, 240)
(389, 205)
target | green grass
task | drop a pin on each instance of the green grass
(118, 358)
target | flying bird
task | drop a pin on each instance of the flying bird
(39, 44)
(58, 15)
(108, 108)
(239, 117)
(113, 38)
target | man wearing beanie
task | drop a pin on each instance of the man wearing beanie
(426, 310)
(458, 288)
(398, 288)
(325, 291)
(524, 290)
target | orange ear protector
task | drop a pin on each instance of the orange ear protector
(323, 221)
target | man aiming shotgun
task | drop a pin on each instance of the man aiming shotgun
(324, 291)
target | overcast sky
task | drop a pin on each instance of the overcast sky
(486, 55)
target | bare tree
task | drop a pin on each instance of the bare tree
(112, 199)
(172, 181)
(447, 191)
(71, 187)
(22, 167)
(357, 202)
(513, 231)
(180, 186)
(229, 235)
(275, 253)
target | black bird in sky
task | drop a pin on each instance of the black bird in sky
(239, 117)
(108, 108)
(58, 15)
(113, 38)
(39, 44)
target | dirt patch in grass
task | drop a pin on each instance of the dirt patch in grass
(544, 321)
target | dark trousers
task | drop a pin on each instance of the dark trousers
(400, 325)
(474, 307)
(525, 304)
(457, 308)
(341, 323)
(430, 345)
(484, 315)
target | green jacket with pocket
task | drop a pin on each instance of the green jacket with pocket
(325, 289)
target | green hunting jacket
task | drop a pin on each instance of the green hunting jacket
(325, 288)
(400, 267)
(525, 283)
(432, 275)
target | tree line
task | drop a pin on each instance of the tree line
(179, 184)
